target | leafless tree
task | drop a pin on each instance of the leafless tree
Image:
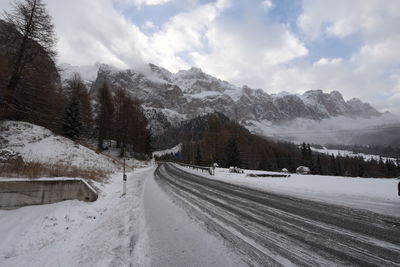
(33, 26)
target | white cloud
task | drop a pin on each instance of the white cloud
(367, 74)
(146, 2)
(267, 4)
(245, 50)
(148, 25)
(93, 31)
(372, 19)
(328, 61)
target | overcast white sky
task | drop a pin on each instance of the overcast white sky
(277, 45)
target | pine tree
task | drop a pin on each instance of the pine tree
(339, 167)
(319, 166)
(72, 123)
(333, 164)
(304, 152)
(232, 153)
(77, 88)
(198, 157)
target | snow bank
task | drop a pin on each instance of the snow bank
(108, 232)
(374, 194)
(38, 144)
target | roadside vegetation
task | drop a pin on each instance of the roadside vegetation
(19, 169)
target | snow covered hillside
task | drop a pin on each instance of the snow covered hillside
(37, 144)
(173, 150)
(374, 194)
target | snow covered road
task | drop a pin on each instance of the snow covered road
(175, 239)
(272, 229)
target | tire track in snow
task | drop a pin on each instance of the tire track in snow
(302, 231)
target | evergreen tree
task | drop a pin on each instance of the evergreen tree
(198, 158)
(333, 164)
(290, 163)
(232, 153)
(304, 153)
(309, 153)
(339, 167)
(319, 166)
(77, 88)
(72, 123)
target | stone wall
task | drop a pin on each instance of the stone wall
(15, 193)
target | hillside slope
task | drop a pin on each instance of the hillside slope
(37, 144)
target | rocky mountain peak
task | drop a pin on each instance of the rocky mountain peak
(336, 95)
(192, 92)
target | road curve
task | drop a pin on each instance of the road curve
(268, 229)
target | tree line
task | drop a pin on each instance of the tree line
(31, 90)
(229, 144)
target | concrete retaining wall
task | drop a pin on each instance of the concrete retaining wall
(15, 193)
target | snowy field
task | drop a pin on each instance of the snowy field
(374, 194)
(347, 153)
(38, 144)
(108, 232)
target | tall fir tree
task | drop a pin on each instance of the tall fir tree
(198, 157)
(72, 122)
(319, 165)
(232, 153)
(77, 88)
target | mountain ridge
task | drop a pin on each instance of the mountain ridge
(192, 92)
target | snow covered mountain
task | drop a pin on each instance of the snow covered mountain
(174, 97)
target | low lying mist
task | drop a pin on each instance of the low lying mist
(382, 131)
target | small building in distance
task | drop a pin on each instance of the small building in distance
(303, 170)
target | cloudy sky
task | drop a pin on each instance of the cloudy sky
(277, 45)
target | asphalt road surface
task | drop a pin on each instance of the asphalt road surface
(267, 229)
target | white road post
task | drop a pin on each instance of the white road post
(124, 178)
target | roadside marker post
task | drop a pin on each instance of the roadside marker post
(124, 178)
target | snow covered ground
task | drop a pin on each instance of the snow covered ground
(374, 194)
(108, 232)
(38, 144)
(348, 153)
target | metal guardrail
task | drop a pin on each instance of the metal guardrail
(196, 167)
